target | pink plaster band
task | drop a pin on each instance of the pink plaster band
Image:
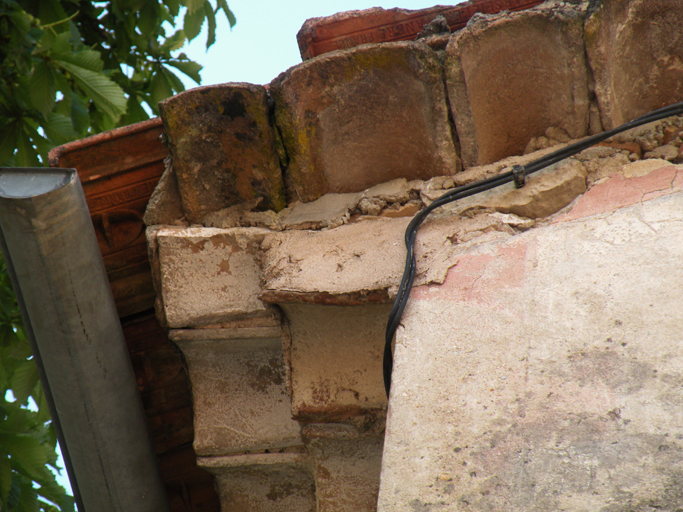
(618, 192)
(480, 277)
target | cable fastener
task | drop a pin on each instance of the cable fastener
(518, 175)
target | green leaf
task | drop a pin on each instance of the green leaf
(160, 88)
(174, 42)
(87, 59)
(18, 420)
(59, 128)
(22, 21)
(211, 18)
(148, 17)
(52, 12)
(135, 113)
(192, 23)
(8, 143)
(223, 4)
(79, 114)
(195, 5)
(175, 82)
(26, 155)
(28, 498)
(42, 87)
(24, 380)
(173, 6)
(61, 43)
(22, 349)
(14, 492)
(5, 478)
(28, 456)
(189, 67)
(75, 35)
(49, 488)
(39, 142)
(43, 416)
(107, 95)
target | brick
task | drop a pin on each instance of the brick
(635, 50)
(223, 146)
(513, 76)
(356, 118)
(352, 28)
(239, 386)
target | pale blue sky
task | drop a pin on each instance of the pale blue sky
(263, 43)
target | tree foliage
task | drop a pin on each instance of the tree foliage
(71, 68)
(68, 69)
(27, 437)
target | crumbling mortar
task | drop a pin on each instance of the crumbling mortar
(423, 192)
(279, 144)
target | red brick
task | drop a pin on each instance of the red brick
(352, 28)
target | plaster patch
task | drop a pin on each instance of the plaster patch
(618, 192)
(480, 277)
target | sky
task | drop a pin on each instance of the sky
(263, 42)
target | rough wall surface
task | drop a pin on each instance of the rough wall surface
(551, 361)
(346, 465)
(355, 118)
(512, 76)
(239, 386)
(208, 275)
(635, 50)
(263, 483)
(322, 388)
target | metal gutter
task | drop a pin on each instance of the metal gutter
(57, 271)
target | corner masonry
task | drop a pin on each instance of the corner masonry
(537, 365)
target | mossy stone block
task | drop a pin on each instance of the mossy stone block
(223, 146)
(355, 118)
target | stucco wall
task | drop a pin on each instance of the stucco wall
(545, 372)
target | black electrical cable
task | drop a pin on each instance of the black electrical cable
(517, 174)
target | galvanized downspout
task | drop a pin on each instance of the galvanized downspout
(58, 275)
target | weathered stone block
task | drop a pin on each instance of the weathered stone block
(276, 482)
(544, 193)
(356, 118)
(239, 388)
(351, 264)
(550, 362)
(512, 76)
(208, 275)
(223, 148)
(635, 50)
(165, 205)
(336, 360)
(347, 467)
